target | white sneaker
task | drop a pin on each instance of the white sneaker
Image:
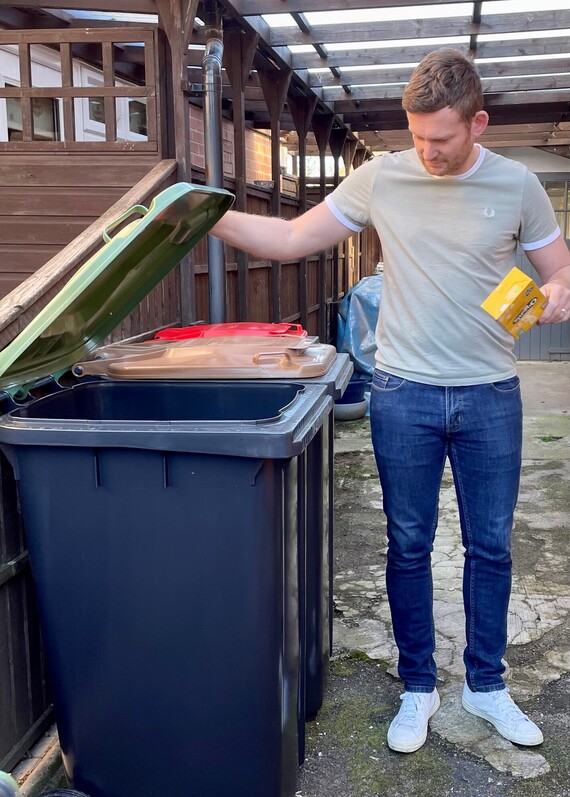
(500, 710)
(408, 730)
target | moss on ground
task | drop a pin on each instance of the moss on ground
(352, 727)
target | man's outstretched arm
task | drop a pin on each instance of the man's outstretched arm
(282, 239)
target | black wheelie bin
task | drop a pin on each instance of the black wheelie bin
(162, 524)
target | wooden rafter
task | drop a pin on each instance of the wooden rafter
(251, 7)
(421, 28)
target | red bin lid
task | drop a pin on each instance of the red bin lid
(241, 328)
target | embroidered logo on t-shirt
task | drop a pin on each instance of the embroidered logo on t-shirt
(489, 213)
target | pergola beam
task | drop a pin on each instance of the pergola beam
(490, 86)
(375, 56)
(251, 7)
(443, 26)
(381, 76)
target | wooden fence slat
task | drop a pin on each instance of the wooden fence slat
(105, 147)
(150, 54)
(77, 35)
(49, 230)
(63, 170)
(55, 92)
(67, 82)
(53, 201)
(109, 82)
(25, 99)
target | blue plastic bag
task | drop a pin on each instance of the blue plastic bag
(357, 317)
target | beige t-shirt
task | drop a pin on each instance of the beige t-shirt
(447, 242)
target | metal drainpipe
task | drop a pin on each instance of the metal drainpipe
(212, 74)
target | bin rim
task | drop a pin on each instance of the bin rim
(280, 437)
(102, 293)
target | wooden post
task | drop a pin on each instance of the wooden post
(275, 84)
(322, 126)
(26, 82)
(359, 156)
(302, 110)
(67, 81)
(348, 152)
(239, 50)
(336, 140)
(177, 20)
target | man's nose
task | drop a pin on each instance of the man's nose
(430, 151)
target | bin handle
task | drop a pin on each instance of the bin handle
(290, 328)
(135, 209)
(283, 354)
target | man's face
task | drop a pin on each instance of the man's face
(444, 142)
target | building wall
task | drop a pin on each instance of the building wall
(257, 144)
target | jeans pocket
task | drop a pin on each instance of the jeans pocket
(385, 383)
(506, 385)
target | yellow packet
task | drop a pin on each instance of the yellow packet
(516, 303)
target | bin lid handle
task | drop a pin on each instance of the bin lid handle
(123, 217)
(272, 356)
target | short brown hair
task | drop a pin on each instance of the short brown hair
(444, 79)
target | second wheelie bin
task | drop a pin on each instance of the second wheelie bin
(276, 358)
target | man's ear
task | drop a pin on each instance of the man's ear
(479, 123)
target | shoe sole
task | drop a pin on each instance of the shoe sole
(512, 737)
(411, 747)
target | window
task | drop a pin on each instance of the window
(14, 115)
(137, 117)
(96, 109)
(45, 118)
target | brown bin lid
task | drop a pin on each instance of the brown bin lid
(236, 357)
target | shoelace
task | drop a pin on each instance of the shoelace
(506, 703)
(411, 702)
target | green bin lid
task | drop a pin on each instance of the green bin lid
(111, 283)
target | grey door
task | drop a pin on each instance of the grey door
(549, 342)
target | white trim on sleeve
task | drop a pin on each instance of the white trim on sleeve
(544, 242)
(341, 217)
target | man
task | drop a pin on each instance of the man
(449, 215)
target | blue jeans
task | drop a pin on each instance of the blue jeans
(415, 427)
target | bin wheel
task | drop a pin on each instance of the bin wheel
(64, 793)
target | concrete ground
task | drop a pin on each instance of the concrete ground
(347, 751)
(347, 755)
